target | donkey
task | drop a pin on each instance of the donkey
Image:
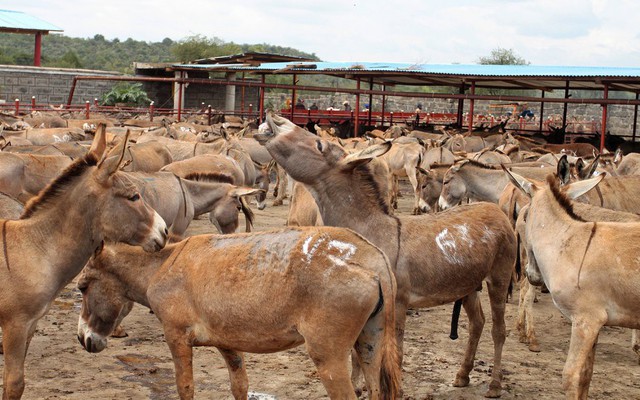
(51, 242)
(23, 176)
(480, 182)
(256, 293)
(10, 208)
(179, 200)
(437, 258)
(403, 158)
(588, 266)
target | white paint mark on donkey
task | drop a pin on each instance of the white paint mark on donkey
(345, 252)
(309, 252)
(446, 242)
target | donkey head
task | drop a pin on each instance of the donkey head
(454, 188)
(122, 215)
(104, 304)
(305, 156)
(531, 188)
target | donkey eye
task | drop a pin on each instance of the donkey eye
(319, 145)
(135, 197)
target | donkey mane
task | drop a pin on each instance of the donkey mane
(561, 198)
(371, 188)
(482, 165)
(209, 176)
(59, 184)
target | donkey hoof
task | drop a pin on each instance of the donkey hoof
(495, 390)
(461, 381)
(534, 346)
(277, 203)
(119, 332)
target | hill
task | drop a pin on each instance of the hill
(115, 55)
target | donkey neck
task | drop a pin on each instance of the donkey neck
(346, 203)
(61, 238)
(204, 195)
(483, 184)
(134, 268)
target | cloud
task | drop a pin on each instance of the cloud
(544, 32)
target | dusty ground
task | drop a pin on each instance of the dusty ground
(140, 366)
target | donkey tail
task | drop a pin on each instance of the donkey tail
(390, 371)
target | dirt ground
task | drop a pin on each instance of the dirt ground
(140, 367)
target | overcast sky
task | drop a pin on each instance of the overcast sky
(543, 32)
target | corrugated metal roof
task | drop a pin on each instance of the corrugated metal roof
(440, 69)
(540, 77)
(19, 21)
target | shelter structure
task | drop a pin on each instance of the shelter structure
(464, 79)
(609, 85)
(19, 22)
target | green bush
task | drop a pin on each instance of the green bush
(129, 94)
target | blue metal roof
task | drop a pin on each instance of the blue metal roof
(19, 21)
(440, 69)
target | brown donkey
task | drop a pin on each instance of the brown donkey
(263, 292)
(437, 258)
(590, 268)
(59, 230)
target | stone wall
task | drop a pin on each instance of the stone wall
(49, 85)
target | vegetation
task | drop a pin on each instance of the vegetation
(129, 94)
(115, 55)
(501, 56)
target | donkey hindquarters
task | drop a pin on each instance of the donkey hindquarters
(232, 293)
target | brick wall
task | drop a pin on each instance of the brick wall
(49, 85)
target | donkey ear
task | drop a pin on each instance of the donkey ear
(588, 170)
(241, 191)
(577, 189)
(525, 185)
(99, 144)
(564, 170)
(617, 157)
(111, 164)
(365, 155)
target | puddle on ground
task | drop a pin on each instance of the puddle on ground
(144, 370)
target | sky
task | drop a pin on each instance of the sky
(543, 32)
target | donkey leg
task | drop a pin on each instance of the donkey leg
(587, 372)
(16, 339)
(237, 373)
(635, 343)
(521, 321)
(497, 297)
(182, 354)
(332, 363)
(368, 352)
(530, 332)
(584, 335)
(473, 308)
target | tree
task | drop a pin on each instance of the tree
(501, 56)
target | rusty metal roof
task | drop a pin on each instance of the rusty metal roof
(19, 22)
(251, 58)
